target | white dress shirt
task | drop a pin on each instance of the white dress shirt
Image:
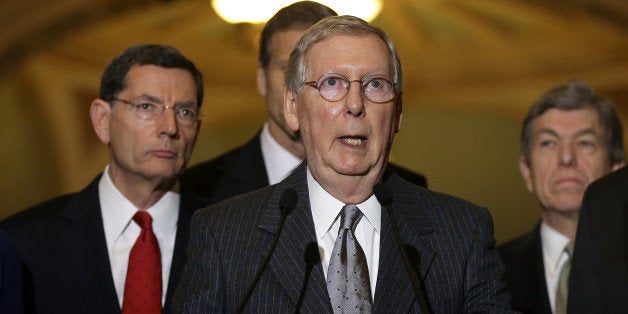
(326, 214)
(279, 161)
(121, 231)
(554, 256)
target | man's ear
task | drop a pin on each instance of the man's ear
(618, 165)
(261, 79)
(100, 113)
(526, 173)
(290, 109)
(399, 114)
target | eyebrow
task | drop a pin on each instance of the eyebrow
(156, 99)
(553, 132)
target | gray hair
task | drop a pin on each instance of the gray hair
(574, 95)
(333, 26)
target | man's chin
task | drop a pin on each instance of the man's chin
(163, 172)
(354, 170)
(567, 206)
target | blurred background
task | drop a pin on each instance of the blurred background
(472, 69)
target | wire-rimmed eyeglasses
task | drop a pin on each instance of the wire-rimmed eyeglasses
(334, 87)
(186, 114)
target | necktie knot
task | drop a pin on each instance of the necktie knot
(143, 219)
(569, 249)
(350, 217)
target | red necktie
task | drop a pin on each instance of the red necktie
(142, 290)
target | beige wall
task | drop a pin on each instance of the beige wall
(48, 146)
(469, 81)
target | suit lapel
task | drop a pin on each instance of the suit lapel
(394, 291)
(532, 263)
(85, 247)
(189, 204)
(288, 262)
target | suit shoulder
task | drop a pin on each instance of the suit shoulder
(249, 202)
(442, 206)
(409, 175)
(518, 246)
(450, 202)
(213, 167)
(612, 184)
(36, 215)
(203, 178)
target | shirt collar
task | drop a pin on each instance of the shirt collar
(279, 161)
(553, 244)
(326, 208)
(118, 211)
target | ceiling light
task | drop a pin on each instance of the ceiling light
(259, 11)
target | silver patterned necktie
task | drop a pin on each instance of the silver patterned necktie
(563, 282)
(348, 275)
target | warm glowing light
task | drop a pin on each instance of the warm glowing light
(259, 11)
(366, 10)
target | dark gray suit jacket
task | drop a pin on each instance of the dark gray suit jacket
(525, 273)
(452, 248)
(598, 282)
(242, 170)
(64, 252)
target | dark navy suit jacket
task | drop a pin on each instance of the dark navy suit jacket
(242, 170)
(11, 301)
(63, 248)
(525, 273)
(451, 241)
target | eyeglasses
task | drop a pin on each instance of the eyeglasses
(186, 115)
(334, 87)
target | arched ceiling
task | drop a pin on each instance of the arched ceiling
(472, 69)
(493, 52)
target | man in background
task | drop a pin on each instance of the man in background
(119, 244)
(599, 271)
(276, 150)
(570, 137)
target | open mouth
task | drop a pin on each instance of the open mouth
(355, 141)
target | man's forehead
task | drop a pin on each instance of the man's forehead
(323, 53)
(574, 117)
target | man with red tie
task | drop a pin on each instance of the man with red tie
(119, 244)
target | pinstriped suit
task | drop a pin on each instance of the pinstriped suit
(453, 238)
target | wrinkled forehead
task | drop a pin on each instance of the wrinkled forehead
(363, 53)
(571, 122)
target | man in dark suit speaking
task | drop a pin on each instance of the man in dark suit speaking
(320, 241)
(119, 244)
(275, 151)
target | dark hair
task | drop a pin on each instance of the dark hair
(114, 78)
(348, 25)
(574, 95)
(299, 15)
